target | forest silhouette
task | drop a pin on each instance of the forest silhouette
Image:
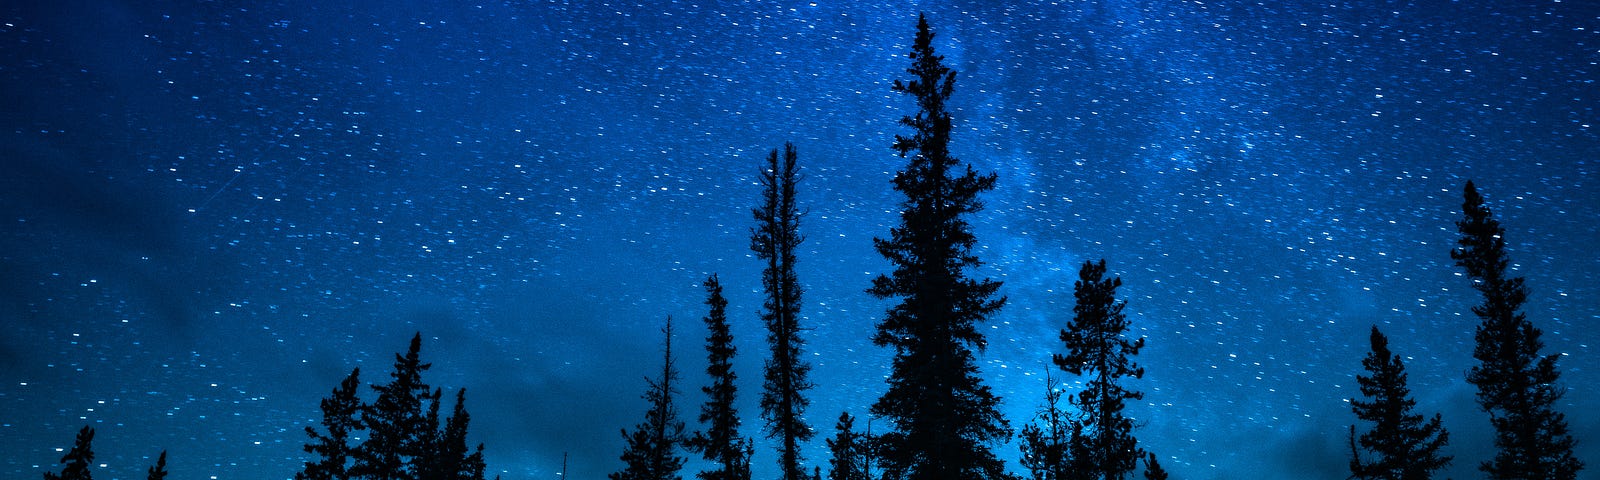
(942, 419)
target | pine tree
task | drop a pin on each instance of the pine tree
(428, 460)
(1096, 345)
(448, 458)
(651, 452)
(1152, 468)
(849, 459)
(398, 429)
(720, 444)
(777, 234)
(78, 459)
(943, 417)
(1517, 386)
(340, 416)
(1400, 446)
(159, 471)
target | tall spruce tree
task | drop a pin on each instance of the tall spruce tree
(651, 451)
(720, 443)
(1096, 345)
(159, 470)
(774, 239)
(340, 417)
(78, 459)
(398, 429)
(943, 417)
(1400, 445)
(848, 451)
(1517, 385)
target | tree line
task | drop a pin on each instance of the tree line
(943, 421)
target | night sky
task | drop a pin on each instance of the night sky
(212, 212)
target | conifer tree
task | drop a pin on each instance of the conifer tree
(1096, 345)
(398, 429)
(849, 459)
(1400, 446)
(428, 460)
(774, 239)
(448, 459)
(340, 417)
(651, 451)
(78, 459)
(1517, 385)
(159, 471)
(720, 443)
(1152, 468)
(943, 417)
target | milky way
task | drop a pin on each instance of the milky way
(213, 212)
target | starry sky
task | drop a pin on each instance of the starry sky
(212, 212)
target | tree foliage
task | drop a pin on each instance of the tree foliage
(340, 417)
(407, 440)
(943, 417)
(78, 459)
(1103, 445)
(159, 470)
(848, 451)
(1401, 445)
(720, 443)
(774, 239)
(1517, 385)
(651, 448)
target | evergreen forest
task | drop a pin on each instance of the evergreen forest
(936, 416)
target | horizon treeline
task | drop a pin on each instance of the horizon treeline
(943, 421)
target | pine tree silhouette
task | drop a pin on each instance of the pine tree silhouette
(720, 444)
(848, 461)
(1400, 446)
(448, 459)
(78, 459)
(340, 416)
(159, 471)
(1516, 385)
(1096, 346)
(777, 233)
(398, 430)
(1152, 468)
(943, 417)
(651, 451)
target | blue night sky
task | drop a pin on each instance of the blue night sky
(212, 212)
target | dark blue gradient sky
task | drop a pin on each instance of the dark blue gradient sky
(212, 211)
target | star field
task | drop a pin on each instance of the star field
(213, 211)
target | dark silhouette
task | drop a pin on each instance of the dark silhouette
(405, 443)
(777, 233)
(1400, 446)
(1044, 444)
(651, 451)
(159, 471)
(720, 444)
(1096, 345)
(1152, 468)
(398, 430)
(1516, 385)
(449, 459)
(340, 417)
(849, 459)
(942, 415)
(78, 459)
